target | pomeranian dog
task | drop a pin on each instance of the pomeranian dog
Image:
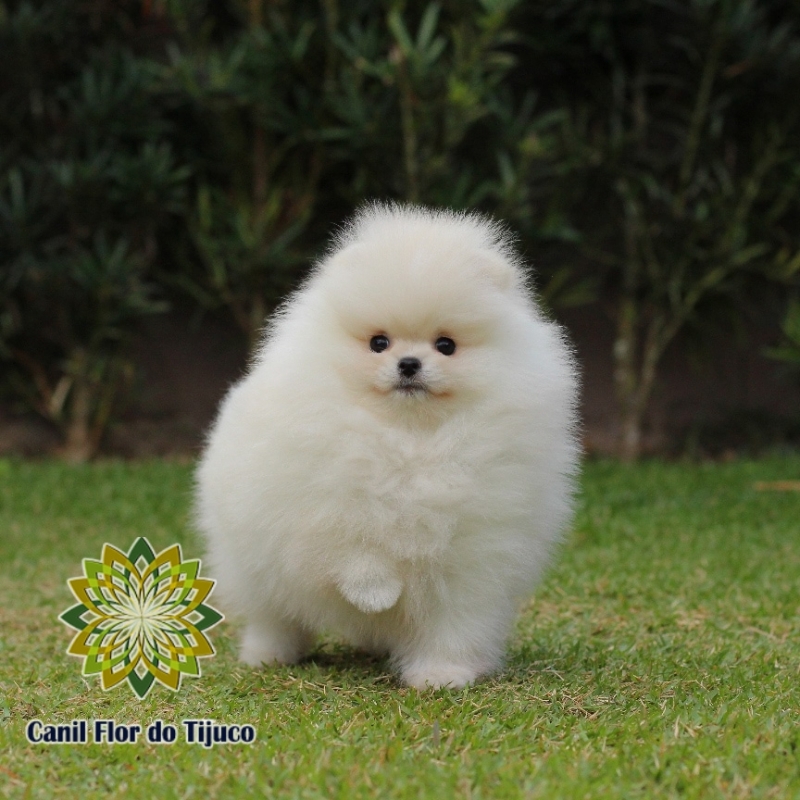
(399, 461)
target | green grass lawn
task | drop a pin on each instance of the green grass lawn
(659, 658)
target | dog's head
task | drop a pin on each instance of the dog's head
(416, 306)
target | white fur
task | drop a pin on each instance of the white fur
(408, 523)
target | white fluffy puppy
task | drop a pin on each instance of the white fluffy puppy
(398, 462)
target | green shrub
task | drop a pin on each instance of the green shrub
(683, 151)
(208, 147)
(307, 110)
(87, 183)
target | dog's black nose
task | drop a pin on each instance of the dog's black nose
(409, 367)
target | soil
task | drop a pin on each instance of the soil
(729, 400)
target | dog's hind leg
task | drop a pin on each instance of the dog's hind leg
(268, 639)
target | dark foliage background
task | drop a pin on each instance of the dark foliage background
(164, 151)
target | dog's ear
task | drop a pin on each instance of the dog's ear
(503, 274)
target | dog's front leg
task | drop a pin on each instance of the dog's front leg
(370, 583)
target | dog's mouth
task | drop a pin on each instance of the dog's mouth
(409, 387)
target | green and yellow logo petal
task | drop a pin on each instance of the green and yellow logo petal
(141, 617)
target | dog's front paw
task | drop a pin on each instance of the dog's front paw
(372, 593)
(370, 583)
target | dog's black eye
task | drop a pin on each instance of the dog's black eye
(378, 343)
(445, 346)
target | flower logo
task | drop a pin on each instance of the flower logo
(141, 617)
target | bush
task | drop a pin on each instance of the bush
(307, 110)
(87, 184)
(205, 147)
(682, 152)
